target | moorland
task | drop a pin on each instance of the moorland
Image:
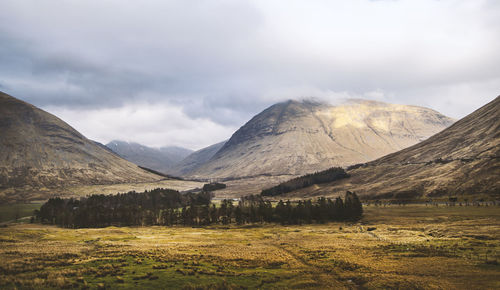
(392, 246)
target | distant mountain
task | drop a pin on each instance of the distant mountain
(294, 138)
(162, 159)
(464, 159)
(39, 150)
(196, 159)
(175, 153)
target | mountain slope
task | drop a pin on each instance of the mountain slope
(175, 153)
(162, 159)
(461, 160)
(196, 159)
(38, 150)
(301, 137)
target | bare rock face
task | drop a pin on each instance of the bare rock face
(294, 138)
(38, 150)
(160, 159)
(463, 159)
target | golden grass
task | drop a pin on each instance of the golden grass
(392, 247)
(22, 195)
(139, 187)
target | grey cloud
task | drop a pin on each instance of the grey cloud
(227, 60)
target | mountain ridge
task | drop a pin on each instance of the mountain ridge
(40, 151)
(161, 159)
(463, 159)
(295, 137)
(196, 159)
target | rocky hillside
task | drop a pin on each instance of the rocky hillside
(464, 159)
(160, 159)
(301, 137)
(38, 150)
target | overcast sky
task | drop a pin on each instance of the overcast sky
(189, 73)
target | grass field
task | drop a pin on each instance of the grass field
(392, 247)
(9, 212)
(20, 195)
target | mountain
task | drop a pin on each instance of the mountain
(196, 159)
(39, 150)
(464, 159)
(175, 153)
(294, 138)
(162, 159)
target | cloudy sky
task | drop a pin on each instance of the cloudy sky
(189, 73)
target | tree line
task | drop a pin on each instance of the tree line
(165, 207)
(213, 186)
(329, 175)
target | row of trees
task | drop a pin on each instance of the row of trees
(252, 209)
(132, 208)
(168, 207)
(213, 186)
(329, 175)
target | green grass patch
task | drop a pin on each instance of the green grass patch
(11, 212)
(130, 271)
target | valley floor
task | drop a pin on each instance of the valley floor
(392, 247)
(23, 195)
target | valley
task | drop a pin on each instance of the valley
(223, 145)
(425, 207)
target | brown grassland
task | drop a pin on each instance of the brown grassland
(28, 194)
(391, 247)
